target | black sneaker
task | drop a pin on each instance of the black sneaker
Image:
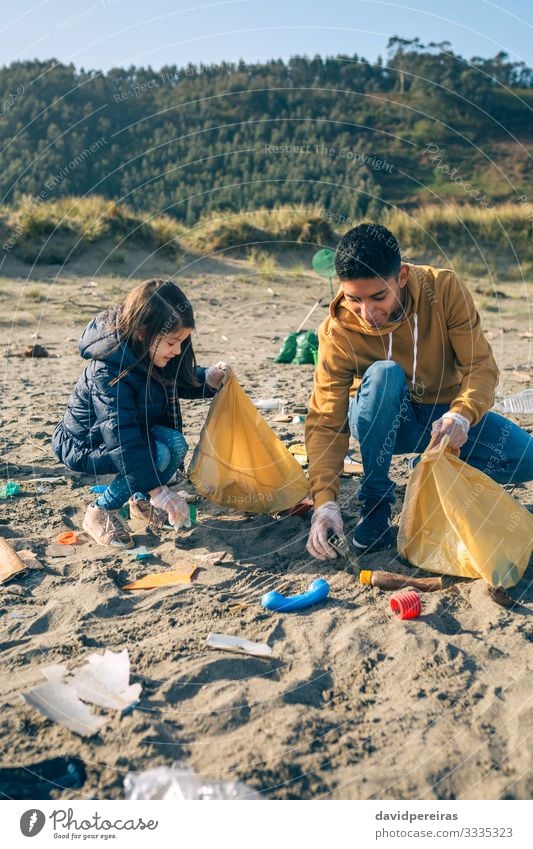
(374, 529)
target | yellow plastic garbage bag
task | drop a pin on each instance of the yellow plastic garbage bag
(240, 462)
(457, 521)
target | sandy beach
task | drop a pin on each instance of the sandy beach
(352, 704)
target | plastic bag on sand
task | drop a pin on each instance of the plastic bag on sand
(457, 521)
(181, 782)
(240, 462)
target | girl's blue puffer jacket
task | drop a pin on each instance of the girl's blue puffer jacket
(106, 429)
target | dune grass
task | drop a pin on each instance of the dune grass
(482, 238)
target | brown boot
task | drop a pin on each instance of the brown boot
(107, 527)
(142, 510)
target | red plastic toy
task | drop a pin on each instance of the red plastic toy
(406, 604)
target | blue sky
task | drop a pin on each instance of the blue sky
(105, 33)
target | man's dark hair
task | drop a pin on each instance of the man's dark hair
(368, 250)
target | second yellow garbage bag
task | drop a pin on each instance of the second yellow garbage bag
(457, 521)
(240, 462)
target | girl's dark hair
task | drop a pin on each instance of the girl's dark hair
(155, 308)
(368, 250)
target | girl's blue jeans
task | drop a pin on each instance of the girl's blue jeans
(386, 422)
(171, 449)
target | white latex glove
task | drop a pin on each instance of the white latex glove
(216, 374)
(453, 425)
(326, 516)
(174, 505)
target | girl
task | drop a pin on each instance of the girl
(123, 415)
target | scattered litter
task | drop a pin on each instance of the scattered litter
(11, 563)
(266, 404)
(59, 702)
(140, 553)
(181, 782)
(302, 508)
(163, 579)
(352, 468)
(43, 480)
(101, 487)
(406, 604)
(214, 559)
(10, 490)
(299, 453)
(41, 490)
(283, 417)
(317, 591)
(238, 644)
(35, 351)
(29, 559)
(522, 376)
(67, 538)
(103, 681)
(522, 402)
(298, 419)
(190, 498)
(395, 581)
(21, 615)
(501, 597)
(57, 550)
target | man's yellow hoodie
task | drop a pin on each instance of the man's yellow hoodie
(438, 343)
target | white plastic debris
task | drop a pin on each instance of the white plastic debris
(181, 782)
(238, 644)
(103, 681)
(267, 404)
(59, 702)
(522, 402)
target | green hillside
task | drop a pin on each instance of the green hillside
(336, 133)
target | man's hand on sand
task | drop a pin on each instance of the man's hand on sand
(326, 517)
(453, 425)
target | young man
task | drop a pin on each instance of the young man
(408, 339)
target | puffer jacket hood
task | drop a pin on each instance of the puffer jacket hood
(101, 341)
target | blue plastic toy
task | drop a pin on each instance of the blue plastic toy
(101, 487)
(318, 590)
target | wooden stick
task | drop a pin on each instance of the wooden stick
(309, 314)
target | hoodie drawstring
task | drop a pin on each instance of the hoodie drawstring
(415, 347)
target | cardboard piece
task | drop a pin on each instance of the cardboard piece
(10, 562)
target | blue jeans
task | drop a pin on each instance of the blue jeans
(171, 449)
(386, 422)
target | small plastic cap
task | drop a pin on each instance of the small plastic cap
(365, 576)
